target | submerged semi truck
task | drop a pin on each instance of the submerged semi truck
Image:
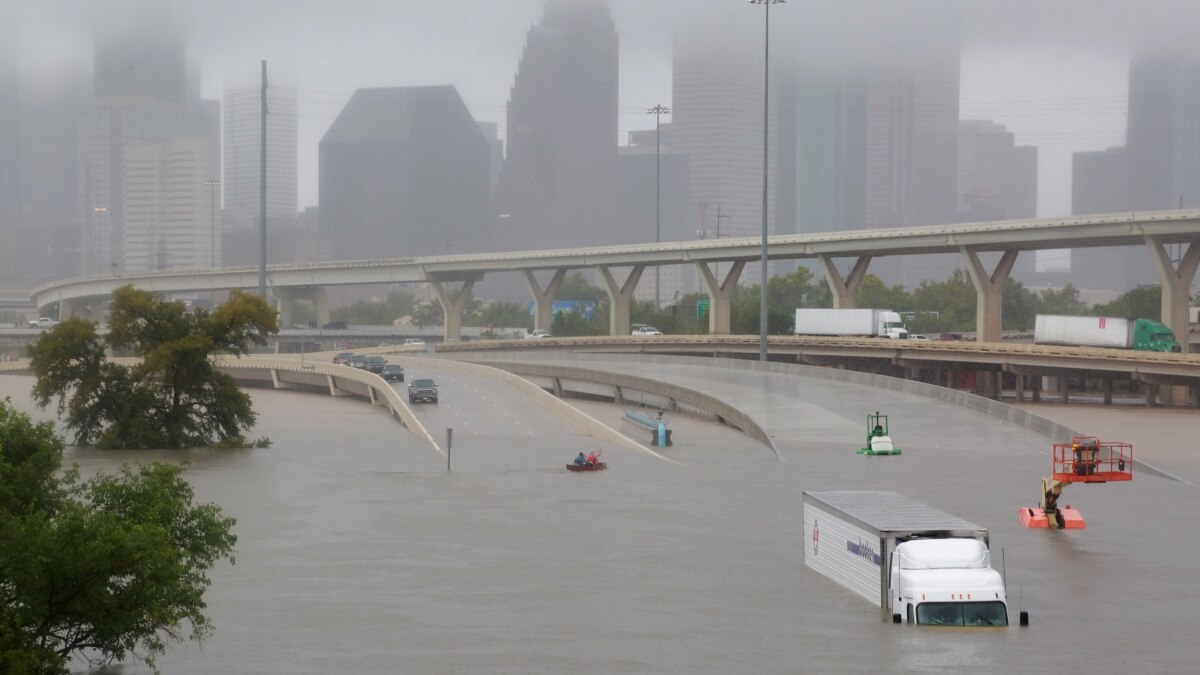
(851, 322)
(919, 564)
(1104, 331)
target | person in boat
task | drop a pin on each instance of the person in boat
(580, 460)
(591, 458)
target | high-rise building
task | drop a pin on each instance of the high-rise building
(168, 214)
(141, 97)
(243, 134)
(1100, 184)
(559, 183)
(48, 246)
(716, 121)
(404, 171)
(997, 180)
(10, 163)
(491, 134)
(107, 129)
(912, 150)
(654, 204)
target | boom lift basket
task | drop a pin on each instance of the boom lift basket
(1088, 460)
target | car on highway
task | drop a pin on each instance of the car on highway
(422, 390)
(414, 341)
(393, 373)
(335, 325)
(642, 329)
(342, 358)
(358, 361)
(538, 334)
(918, 337)
(44, 322)
(374, 363)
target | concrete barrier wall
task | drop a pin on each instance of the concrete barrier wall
(545, 366)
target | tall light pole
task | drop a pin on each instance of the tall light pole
(658, 111)
(212, 184)
(762, 298)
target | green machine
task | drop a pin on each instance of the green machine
(878, 440)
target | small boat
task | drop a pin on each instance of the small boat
(598, 466)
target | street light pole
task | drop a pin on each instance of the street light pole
(212, 184)
(658, 111)
(762, 298)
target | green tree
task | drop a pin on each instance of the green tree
(173, 397)
(109, 568)
(953, 300)
(1065, 302)
(1018, 306)
(1144, 302)
(874, 294)
(575, 287)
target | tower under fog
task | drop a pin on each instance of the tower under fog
(145, 107)
(241, 112)
(1160, 163)
(404, 171)
(558, 186)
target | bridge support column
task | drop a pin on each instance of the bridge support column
(844, 289)
(619, 296)
(452, 306)
(988, 289)
(1176, 283)
(1019, 389)
(543, 300)
(720, 295)
(285, 304)
(67, 309)
(320, 300)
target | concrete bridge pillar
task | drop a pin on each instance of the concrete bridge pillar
(1176, 284)
(619, 296)
(285, 305)
(988, 292)
(320, 300)
(844, 289)
(543, 299)
(452, 306)
(720, 295)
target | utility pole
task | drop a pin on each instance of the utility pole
(262, 192)
(658, 111)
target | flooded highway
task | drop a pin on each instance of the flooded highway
(359, 553)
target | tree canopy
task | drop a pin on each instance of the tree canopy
(108, 568)
(173, 397)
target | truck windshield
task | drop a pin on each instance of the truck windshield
(962, 614)
(1162, 337)
(893, 324)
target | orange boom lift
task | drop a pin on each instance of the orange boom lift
(1084, 460)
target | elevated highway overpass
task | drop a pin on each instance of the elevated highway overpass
(1004, 239)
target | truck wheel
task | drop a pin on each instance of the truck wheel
(1024, 618)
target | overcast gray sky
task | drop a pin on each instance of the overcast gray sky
(1053, 72)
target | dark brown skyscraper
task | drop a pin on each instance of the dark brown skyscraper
(559, 183)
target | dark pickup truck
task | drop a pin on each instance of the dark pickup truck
(422, 390)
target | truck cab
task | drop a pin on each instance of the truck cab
(891, 326)
(1153, 336)
(947, 582)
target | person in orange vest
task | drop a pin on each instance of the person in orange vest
(591, 458)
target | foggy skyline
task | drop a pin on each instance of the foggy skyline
(1056, 76)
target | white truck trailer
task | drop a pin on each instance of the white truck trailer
(919, 564)
(1104, 331)
(851, 322)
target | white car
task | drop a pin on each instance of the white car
(918, 337)
(538, 334)
(414, 341)
(646, 330)
(44, 322)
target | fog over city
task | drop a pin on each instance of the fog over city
(1054, 75)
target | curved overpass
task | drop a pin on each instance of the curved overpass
(307, 281)
(937, 360)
